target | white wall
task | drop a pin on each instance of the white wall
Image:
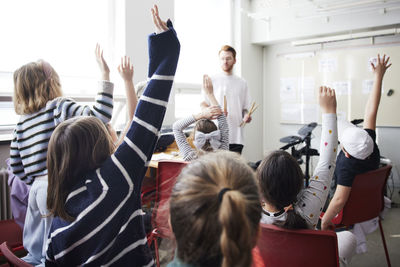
(250, 67)
(387, 138)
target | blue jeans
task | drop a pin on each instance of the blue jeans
(37, 223)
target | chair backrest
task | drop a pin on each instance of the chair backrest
(12, 259)
(167, 172)
(305, 247)
(366, 197)
(11, 232)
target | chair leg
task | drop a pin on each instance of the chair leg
(156, 250)
(384, 243)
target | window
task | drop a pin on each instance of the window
(64, 33)
(203, 28)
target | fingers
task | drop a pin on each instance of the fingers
(160, 25)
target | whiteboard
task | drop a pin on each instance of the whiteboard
(348, 71)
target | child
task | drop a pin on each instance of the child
(359, 151)
(94, 195)
(206, 135)
(215, 212)
(38, 99)
(281, 180)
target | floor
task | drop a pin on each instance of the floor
(375, 255)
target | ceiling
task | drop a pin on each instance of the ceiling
(304, 9)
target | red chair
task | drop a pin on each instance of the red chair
(12, 259)
(304, 247)
(11, 232)
(366, 201)
(167, 172)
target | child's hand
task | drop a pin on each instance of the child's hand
(327, 225)
(211, 112)
(327, 99)
(125, 69)
(381, 66)
(105, 71)
(161, 26)
(207, 85)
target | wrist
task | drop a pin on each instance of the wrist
(106, 76)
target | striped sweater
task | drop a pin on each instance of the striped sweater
(186, 151)
(108, 229)
(28, 149)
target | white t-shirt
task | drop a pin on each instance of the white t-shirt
(237, 98)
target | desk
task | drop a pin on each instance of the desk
(171, 153)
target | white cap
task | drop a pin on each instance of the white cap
(356, 141)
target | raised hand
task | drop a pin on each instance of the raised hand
(381, 66)
(105, 71)
(161, 26)
(327, 99)
(211, 113)
(125, 69)
(207, 85)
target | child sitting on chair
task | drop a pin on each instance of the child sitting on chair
(94, 192)
(215, 212)
(281, 180)
(359, 151)
(207, 137)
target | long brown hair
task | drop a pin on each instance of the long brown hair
(281, 179)
(35, 84)
(76, 146)
(213, 228)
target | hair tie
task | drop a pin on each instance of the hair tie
(222, 192)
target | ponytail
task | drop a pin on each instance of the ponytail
(294, 221)
(237, 234)
(215, 211)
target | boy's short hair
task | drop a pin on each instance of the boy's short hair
(228, 48)
(355, 141)
(35, 84)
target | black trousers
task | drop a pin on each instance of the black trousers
(236, 148)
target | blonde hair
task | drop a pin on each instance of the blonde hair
(213, 227)
(35, 84)
(76, 146)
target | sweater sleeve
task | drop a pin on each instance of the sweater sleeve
(67, 108)
(312, 199)
(16, 165)
(135, 152)
(224, 129)
(186, 151)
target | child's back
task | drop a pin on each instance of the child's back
(37, 98)
(98, 216)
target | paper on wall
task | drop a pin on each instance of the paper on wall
(342, 87)
(327, 65)
(291, 112)
(310, 113)
(288, 89)
(367, 86)
(307, 88)
(373, 60)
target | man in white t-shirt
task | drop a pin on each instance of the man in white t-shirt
(237, 97)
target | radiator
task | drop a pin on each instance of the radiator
(5, 208)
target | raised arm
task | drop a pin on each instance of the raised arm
(125, 69)
(103, 106)
(138, 146)
(371, 108)
(222, 123)
(314, 196)
(104, 69)
(186, 151)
